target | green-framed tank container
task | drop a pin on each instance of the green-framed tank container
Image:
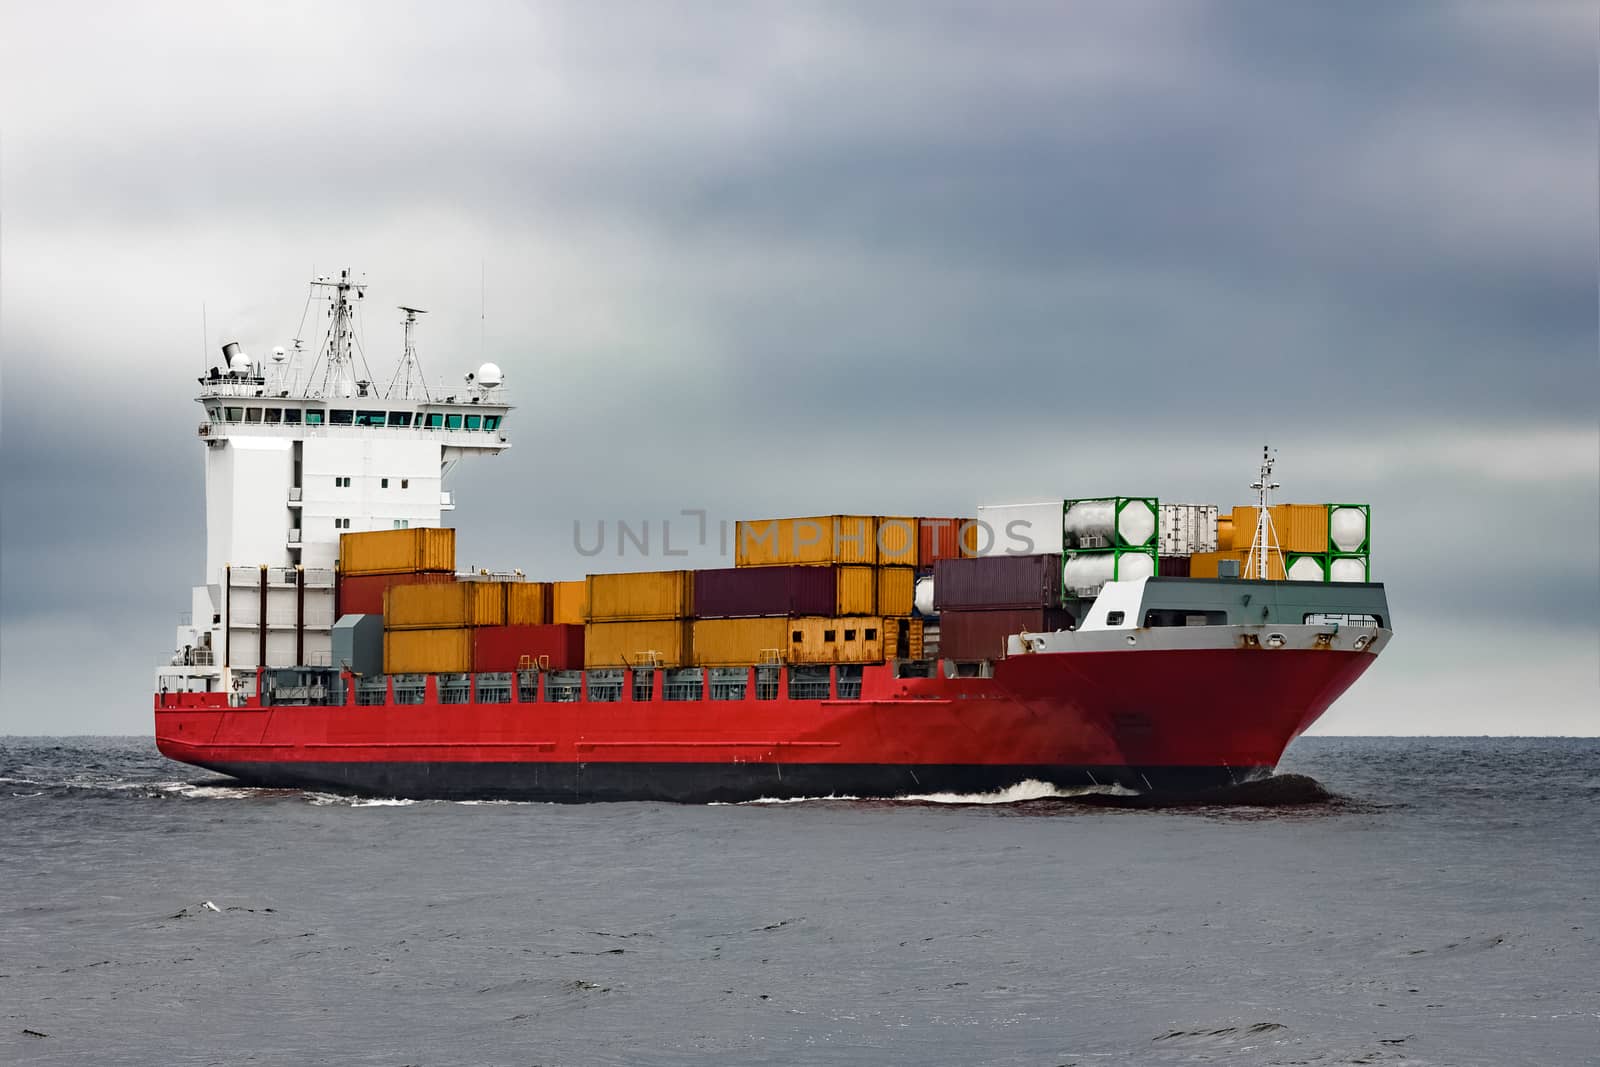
(1349, 529)
(1102, 522)
(1349, 567)
(1306, 566)
(1085, 571)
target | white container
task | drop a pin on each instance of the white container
(1306, 569)
(1085, 573)
(1108, 521)
(922, 598)
(1347, 529)
(1019, 529)
(1348, 569)
(1188, 528)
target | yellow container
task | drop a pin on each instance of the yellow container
(398, 551)
(666, 643)
(902, 638)
(897, 590)
(567, 601)
(640, 596)
(427, 651)
(1225, 532)
(897, 541)
(1300, 527)
(527, 603)
(813, 539)
(448, 604)
(856, 591)
(853, 639)
(740, 642)
(1204, 564)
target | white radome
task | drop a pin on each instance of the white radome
(240, 363)
(490, 375)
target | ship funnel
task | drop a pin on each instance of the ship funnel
(229, 350)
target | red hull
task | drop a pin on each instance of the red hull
(1151, 718)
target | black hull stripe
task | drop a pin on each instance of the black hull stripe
(700, 783)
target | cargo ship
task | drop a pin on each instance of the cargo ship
(1082, 642)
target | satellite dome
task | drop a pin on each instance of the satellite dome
(279, 355)
(240, 363)
(489, 375)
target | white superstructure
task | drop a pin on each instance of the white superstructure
(297, 456)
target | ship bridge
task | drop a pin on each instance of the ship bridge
(301, 448)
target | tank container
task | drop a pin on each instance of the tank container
(922, 598)
(1085, 573)
(1111, 522)
(640, 596)
(1349, 569)
(1306, 568)
(1349, 528)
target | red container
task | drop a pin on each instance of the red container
(941, 539)
(975, 635)
(501, 648)
(1173, 567)
(990, 582)
(738, 592)
(362, 594)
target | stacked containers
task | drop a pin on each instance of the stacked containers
(371, 562)
(1188, 528)
(639, 619)
(550, 646)
(813, 539)
(429, 629)
(1320, 542)
(362, 594)
(983, 601)
(1108, 539)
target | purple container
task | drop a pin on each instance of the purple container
(738, 592)
(976, 635)
(990, 582)
(1173, 567)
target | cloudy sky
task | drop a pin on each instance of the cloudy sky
(801, 258)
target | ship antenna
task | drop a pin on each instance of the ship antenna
(1265, 541)
(409, 363)
(338, 377)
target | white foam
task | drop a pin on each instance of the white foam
(190, 791)
(1023, 791)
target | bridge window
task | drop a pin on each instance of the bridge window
(383, 483)
(233, 414)
(252, 414)
(399, 418)
(369, 418)
(491, 422)
(313, 418)
(291, 415)
(452, 422)
(405, 483)
(402, 524)
(1184, 617)
(341, 417)
(1114, 618)
(272, 416)
(435, 420)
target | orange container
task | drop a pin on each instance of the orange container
(427, 651)
(662, 643)
(1300, 527)
(527, 603)
(852, 639)
(897, 589)
(567, 600)
(640, 596)
(813, 539)
(398, 551)
(434, 607)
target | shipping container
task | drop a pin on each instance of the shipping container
(661, 643)
(997, 582)
(857, 592)
(527, 604)
(554, 647)
(1225, 533)
(1085, 573)
(431, 607)
(640, 596)
(568, 602)
(735, 592)
(897, 590)
(852, 639)
(812, 539)
(362, 594)
(398, 551)
(1188, 528)
(1111, 522)
(981, 635)
(741, 642)
(945, 539)
(1019, 529)
(902, 638)
(897, 541)
(1204, 564)
(1349, 528)
(1173, 566)
(1349, 569)
(427, 651)
(1306, 567)
(1299, 527)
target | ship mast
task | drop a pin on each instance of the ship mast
(400, 384)
(339, 376)
(1265, 541)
